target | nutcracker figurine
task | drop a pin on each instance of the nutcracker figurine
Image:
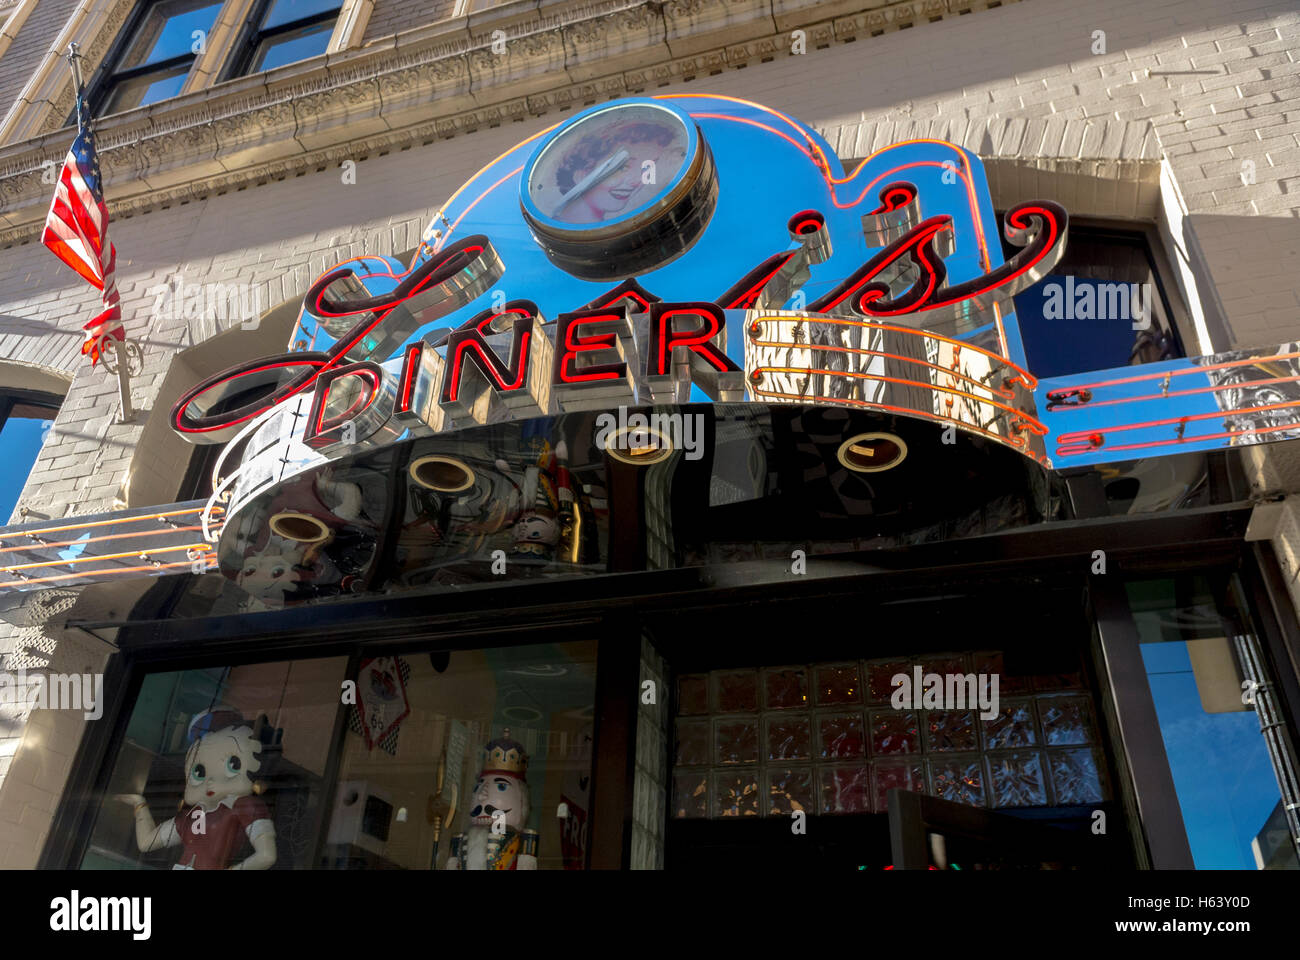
(496, 838)
(219, 804)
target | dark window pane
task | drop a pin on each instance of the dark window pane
(1081, 317)
(143, 90)
(287, 11)
(168, 31)
(292, 47)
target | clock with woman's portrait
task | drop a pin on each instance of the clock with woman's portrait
(620, 189)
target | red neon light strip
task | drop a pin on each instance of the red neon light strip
(1077, 449)
(1074, 435)
(1027, 418)
(598, 341)
(102, 556)
(454, 393)
(1024, 376)
(321, 366)
(348, 414)
(1174, 393)
(746, 299)
(92, 573)
(1244, 362)
(858, 351)
(106, 523)
(690, 340)
(112, 536)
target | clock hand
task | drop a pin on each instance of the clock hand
(590, 180)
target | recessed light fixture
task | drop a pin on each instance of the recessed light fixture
(872, 452)
(639, 446)
(299, 527)
(443, 474)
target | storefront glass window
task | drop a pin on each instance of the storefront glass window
(1190, 631)
(474, 759)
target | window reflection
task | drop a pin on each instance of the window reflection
(23, 426)
(286, 31)
(477, 759)
(1225, 782)
(160, 55)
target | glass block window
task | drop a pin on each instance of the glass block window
(824, 738)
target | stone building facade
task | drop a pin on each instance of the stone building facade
(1175, 114)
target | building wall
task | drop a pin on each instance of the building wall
(30, 44)
(394, 16)
(1193, 87)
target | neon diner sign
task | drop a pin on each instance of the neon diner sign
(615, 215)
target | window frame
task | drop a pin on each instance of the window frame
(252, 34)
(106, 77)
(1178, 324)
(12, 397)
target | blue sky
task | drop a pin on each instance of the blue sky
(1225, 783)
(20, 441)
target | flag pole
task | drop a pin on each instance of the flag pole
(119, 346)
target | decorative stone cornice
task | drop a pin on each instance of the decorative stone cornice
(429, 83)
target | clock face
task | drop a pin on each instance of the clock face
(620, 190)
(608, 164)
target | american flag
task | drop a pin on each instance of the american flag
(77, 231)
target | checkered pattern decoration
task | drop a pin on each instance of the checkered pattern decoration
(388, 743)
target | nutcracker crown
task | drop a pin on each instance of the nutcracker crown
(506, 756)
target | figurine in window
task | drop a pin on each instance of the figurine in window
(220, 803)
(496, 838)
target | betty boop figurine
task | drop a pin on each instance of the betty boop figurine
(219, 801)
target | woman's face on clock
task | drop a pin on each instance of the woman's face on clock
(600, 170)
(632, 183)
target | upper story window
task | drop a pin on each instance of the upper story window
(1104, 305)
(159, 53)
(24, 418)
(165, 39)
(285, 31)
